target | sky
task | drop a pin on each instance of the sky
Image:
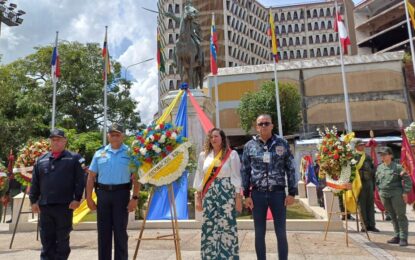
(131, 35)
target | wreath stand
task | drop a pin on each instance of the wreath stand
(330, 214)
(18, 218)
(174, 223)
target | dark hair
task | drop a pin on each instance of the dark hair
(208, 146)
(264, 115)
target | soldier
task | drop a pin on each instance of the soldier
(394, 194)
(366, 196)
(110, 174)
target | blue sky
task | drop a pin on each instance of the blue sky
(131, 35)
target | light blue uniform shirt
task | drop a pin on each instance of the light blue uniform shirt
(112, 167)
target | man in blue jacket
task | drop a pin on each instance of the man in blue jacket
(56, 190)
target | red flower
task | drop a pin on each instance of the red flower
(156, 137)
(168, 133)
(325, 149)
(149, 160)
(136, 149)
(161, 126)
(149, 146)
(336, 156)
(163, 154)
(169, 148)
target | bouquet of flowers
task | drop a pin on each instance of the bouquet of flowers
(3, 176)
(335, 156)
(27, 158)
(410, 133)
(155, 155)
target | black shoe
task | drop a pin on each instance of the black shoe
(394, 240)
(403, 242)
(9, 221)
(350, 217)
(388, 218)
(373, 229)
(363, 230)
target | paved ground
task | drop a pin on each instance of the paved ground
(302, 245)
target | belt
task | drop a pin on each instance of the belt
(115, 187)
(270, 188)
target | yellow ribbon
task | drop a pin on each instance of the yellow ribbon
(351, 196)
(215, 162)
(82, 211)
(168, 110)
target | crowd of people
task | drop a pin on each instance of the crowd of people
(263, 178)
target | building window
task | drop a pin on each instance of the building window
(302, 27)
(288, 16)
(332, 52)
(330, 37)
(171, 85)
(283, 29)
(308, 14)
(324, 38)
(171, 71)
(317, 39)
(321, 12)
(282, 17)
(316, 26)
(170, 39)
(298, 56)
(318, 52)
(329, 25)
(328, 12)
(290, 28)
(285, 55)
(291, 42)
(325, 52)
(310, 39)
(177, 9)
(284, 42)
(170, 54)
(292, 55)
(277, 29)
(177, 36)
(295, 15)
(170, 24)
(170, 8)
(311, 53)
(296, 28)
(315, 13)
(323, 25)
(301, 14)
(276, 17)
(310, 28)
(338, 50)
(297, 41)
(279, 56)
(304, 41)
(305, 54)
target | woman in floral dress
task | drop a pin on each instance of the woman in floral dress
(218, 182)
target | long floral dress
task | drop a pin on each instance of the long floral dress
(219, 231)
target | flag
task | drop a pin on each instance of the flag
(213, 48)
(372, 144)
(271, 33)
(160, 59)
(106, 58)
(411, 11)
(408, 163)
(55, 63)
(340, 28)
(310, 173)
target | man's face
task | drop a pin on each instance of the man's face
(115, 138)
(57, 144)
(264, 125)
(386, 157)
(360, 147)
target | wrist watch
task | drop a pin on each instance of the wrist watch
(135, 197)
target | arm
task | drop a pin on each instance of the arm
(290, 172)
(35, 189)
(132, 205)
(246, 178)
(79, 183)
(198, 181)
(89, 189)
(236, 179)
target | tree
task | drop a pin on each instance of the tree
(256, 103)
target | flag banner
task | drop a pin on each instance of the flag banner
(213, 48)
(160, 59)
(372, 144)
(204, 120)
(408, 163)
(271, 32)
(340, 28)
(106, 58)
(55, 64)
(411, 11)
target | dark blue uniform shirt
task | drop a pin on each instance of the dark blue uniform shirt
(57, 181)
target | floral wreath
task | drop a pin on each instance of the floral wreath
(410, 133)
(336, 159)
(3, 176)
(159, 154)
(27, 158)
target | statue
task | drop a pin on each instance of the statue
(187, 53)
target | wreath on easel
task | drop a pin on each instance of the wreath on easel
(3, 176)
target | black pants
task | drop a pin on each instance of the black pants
(55, 226)
(112, 216)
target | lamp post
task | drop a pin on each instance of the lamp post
(129, 66)
(9, 16)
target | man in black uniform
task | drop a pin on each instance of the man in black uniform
(56, 190)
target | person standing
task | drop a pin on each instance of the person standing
(218, 184)
(55, 192)
(111, 176)
(267, 164)
(394, 184)
(366, 197)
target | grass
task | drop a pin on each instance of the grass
(295, 211)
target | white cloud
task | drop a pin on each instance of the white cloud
(85, 21)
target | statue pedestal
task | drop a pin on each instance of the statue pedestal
(195, 131)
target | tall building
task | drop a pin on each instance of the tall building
(303, 31)
(381, 26)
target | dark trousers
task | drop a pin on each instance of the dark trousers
(275, 201)
(367, 204)
(112, 217)
(55, 227)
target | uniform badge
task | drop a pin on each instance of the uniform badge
(280, 150)
(103, 154)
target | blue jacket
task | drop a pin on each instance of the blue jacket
(280, 170)
(57, 181)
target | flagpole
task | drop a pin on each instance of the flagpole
(411, 43)
(217, 101)
(345, 91)
(277, 97)
(54, 81)
(104, 137)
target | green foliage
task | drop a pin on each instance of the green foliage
(84, 143)
(256, 103)
(26, 96)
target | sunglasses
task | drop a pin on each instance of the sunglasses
(264, 124)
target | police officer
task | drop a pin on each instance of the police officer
(110, 174)
(56, 190)
(366, 197)
(394, 194)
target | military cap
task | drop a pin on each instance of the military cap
(116, 128)
(57, 133)
(385, 150)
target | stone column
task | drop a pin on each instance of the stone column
(301, 189)
(328, 198)
(312, 194)
(17, 201)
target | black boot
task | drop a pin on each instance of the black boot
(403, 242)
(394, 240)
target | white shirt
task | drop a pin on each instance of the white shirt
(231, 168)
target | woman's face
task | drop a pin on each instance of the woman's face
(216, 139)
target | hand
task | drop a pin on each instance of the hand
(74, 204)
(199, 204)
(35, 208)
(289, 200)
(91, 204)
(249, 204)
(238, 204)
(405, 198)
(348, 186)
(6, 199)
(132, 205)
